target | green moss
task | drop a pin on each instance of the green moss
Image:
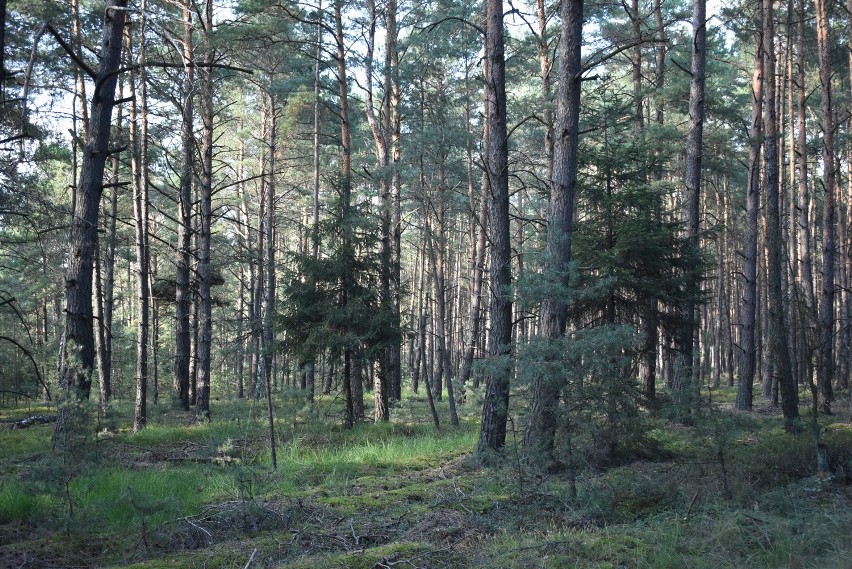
(399, 552)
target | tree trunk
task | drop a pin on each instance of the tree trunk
(139, 168)
(748, 340)
(346, 187)
(688, 388)
(495, 409)
(546, 388)
(778, 348)
(78, 358)
(205, 323)
(381, 139)
(829, 183)
(183, 296)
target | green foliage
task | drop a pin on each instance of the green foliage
(600, 422)
(333, 302)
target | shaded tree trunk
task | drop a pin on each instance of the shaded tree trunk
(346, 188)
(183, 296)
(546, 388)
(495, 409)
(139, 168)
(205, 308)
(78, 358)
(778, 348)
(829, 183)
(748, 339)
(688, 388)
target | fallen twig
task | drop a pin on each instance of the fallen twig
(253, 553)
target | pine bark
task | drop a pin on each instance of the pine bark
(825, 375)
(546, 387)
(183, 296)
(495, 408)
(778, 348)
(78, 361)
(205, 305)
(748, 339)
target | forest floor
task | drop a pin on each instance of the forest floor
(732, 490)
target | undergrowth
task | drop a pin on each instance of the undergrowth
(731, 490)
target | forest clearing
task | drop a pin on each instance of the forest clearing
(733, 491)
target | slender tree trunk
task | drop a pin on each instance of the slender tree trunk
(829, 183)
(547, 387)
(205, 304)
(651, 315)
(778, 348)
(183, 296)
(689, 387)
(436, 259)
(748, 339)
(346, 187)
(139, 167)
(310, 362)
(478, 266)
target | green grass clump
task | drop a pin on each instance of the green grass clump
(14, 444)
(17, 503)
(122, 499)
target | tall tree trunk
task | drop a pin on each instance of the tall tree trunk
(78, 358)
(393, 128)
(310, 361)
(139, 168)
(183, 296)
(495, 408)
(651, 315)
(205, 304)
(381, 137)
(546, 388)
(748, 339)
(346, 188)
(778, 348)
(829, 183)
(688, 387)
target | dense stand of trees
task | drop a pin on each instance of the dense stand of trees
(573, 207)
